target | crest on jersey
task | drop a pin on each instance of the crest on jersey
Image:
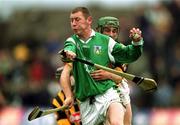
(97, 49)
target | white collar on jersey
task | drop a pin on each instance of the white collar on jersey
(93, 33)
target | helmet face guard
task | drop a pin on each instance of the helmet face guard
(107, 21)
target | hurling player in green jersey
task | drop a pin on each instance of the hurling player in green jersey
(99, 100)
(110, 26)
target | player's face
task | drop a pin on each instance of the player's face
(79, 23)
(111, 31)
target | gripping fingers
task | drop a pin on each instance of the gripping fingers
(135, 34)
(67, 56)
(70, 55)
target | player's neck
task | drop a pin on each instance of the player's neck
(86, 34)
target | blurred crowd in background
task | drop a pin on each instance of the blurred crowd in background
(31, 39)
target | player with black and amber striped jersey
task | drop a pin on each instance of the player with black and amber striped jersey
(69, 116)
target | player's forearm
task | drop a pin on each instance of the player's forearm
(65, 82)
(66, 87)
(117, 79)
(127, 54)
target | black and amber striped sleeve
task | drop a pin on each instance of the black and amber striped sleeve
(61, 115)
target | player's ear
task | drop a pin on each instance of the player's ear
(89, 19)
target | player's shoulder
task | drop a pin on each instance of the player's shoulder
(71, 39)
(102, 37)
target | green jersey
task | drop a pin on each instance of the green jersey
(102, 50)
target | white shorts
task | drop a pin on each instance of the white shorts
(93, 114)
(124, 92)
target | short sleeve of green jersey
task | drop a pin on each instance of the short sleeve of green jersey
(70, 45)
(126, 54)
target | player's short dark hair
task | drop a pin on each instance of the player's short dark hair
(84, 10)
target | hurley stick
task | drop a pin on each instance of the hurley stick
(37, 112)
(147, 84)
